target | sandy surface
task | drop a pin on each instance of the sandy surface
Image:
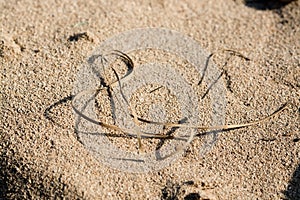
(41, 156)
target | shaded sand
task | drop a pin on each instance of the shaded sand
(42, 47)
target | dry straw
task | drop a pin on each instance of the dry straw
(137, 132)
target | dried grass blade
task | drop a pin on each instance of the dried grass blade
(137, 132)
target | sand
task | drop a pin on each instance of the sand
(42, 47)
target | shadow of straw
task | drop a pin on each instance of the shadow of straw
(223, 70)
(68, 99)
(47, 112)
(48, 115)
(170, 133)
(212, 84)
(91, 62)
(205, 68)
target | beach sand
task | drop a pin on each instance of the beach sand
(42, 47)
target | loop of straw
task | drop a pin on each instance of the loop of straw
(137, 132)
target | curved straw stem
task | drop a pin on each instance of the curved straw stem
(137, 120)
